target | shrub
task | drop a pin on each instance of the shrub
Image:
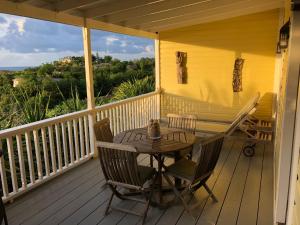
(133, 88)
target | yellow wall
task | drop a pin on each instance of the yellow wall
(211, 51)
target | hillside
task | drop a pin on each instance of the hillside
(59, 87)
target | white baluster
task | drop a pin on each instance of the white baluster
(75, 127)
(45, 149)
(81, 137)
(64, 138)
(86, 135)
(12, 165)
(117, 118)
(71, 145)
(58, 146)
(29, 156)
(52, 149)
(21, 160)
(3, 173)
(38, 154)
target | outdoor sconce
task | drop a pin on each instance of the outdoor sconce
(283, 37)
(278, 49)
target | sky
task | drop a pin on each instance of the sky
(31, 42)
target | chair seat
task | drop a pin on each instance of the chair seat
(146, 172)
(183, 169)
(182, 153)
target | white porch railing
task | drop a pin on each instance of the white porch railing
(131, 113)
(37, 152)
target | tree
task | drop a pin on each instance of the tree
(46, 70)
(107, 59)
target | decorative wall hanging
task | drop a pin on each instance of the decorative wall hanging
(181, 67)
(237, 75)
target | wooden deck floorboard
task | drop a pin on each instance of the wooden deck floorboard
(243, 186)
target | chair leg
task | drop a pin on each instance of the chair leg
(109, 203)
(177, 193)
(151, 160)
(4, 213)
(147, 207)
(211, 194)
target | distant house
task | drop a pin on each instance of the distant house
(66, 60)
(17, 81)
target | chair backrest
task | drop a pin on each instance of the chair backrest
(249, 108)
(102, 131)
(119, 164)
(185, 122)
(209, 154)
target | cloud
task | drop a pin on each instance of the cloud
(2, 20)
(8, 58)
(35, 39)
(149, 48)
(11, 24)
(111, 40)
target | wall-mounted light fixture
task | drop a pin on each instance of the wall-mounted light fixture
(283, 37)
(278, 49)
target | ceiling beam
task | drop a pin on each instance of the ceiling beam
(66, 5)
(159, 7)
(188, 10)
(27, 10)
(210, 17)
(20, 1)
(109, 8)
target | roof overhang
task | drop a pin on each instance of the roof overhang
(144, 18)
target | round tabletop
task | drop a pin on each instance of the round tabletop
(171, 140)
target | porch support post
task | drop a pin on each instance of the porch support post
(157, 63)
(89, 77)
(157, 75)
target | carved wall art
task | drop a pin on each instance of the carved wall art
(237, 75)
(181, 58)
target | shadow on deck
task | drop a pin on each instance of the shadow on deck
(243, 186)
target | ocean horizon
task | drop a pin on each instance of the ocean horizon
(13, 68)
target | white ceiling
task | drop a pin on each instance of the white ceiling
(150, 15)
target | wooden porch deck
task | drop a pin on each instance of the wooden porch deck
(244, 187)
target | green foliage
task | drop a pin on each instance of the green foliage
(72, 104)
(107, 59)
(133, 88)
(59, 87)
(32, 108)
(46, 70)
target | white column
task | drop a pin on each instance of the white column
(89, 77)
(157, 63)
(157, 74)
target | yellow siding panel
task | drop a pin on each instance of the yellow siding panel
(211, 51)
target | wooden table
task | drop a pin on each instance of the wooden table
(171, 141)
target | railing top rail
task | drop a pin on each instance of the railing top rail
(121, 102)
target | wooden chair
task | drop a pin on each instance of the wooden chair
(120, 168)
(196, 173)
(183, 122)
(3, 217)
(102, 131)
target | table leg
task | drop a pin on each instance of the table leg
(177, 180)
(159, 177)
